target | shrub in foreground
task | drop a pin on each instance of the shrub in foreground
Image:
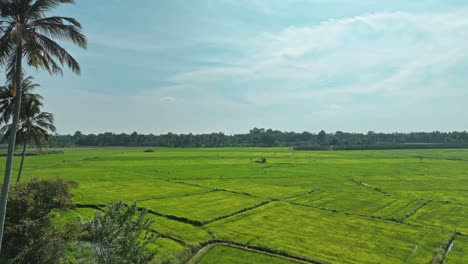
(30, 236)
(120, 234)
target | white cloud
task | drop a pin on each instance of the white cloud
(382, 71)
(391, 53)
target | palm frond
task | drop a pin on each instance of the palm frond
(27, 28)
(38, 57)
(34, 126)
(7, 101)
(6, 47)
(57, 51)
(42, 6)
(63, 28)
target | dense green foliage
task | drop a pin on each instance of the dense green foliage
(28, 37)
(273, 138)
(30, 236)
(120, 234)
(393, 206)
(34, 127)
(6, 98)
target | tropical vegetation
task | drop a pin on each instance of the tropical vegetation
(120, 234)
(28, 39)
(30, 235)
(259, 137)
(34, 126)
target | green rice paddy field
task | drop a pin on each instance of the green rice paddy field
(219, 206)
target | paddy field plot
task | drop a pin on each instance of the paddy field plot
(459, 251)
(330, 237)
(451, 216)
(393, 206)
(229, 254)
(202, 207)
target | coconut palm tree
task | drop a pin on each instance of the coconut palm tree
(27, 34)
(6, 99)
(33, 127)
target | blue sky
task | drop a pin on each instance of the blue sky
(157, 66)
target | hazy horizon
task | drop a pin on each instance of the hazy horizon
(246, 132)
(291, 65)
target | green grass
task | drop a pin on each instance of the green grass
(362, 202)
(450, 216)
(201, 207)
(61, 218)
(354, 189)
(232, 255)
(186, 232)
(131, 190)
(168, 251)
(459, 251)
(330, 237)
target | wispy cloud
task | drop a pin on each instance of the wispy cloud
(394, 53)
(233, 65)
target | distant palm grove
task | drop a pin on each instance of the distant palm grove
(259, 137)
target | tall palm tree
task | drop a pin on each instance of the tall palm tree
(27, 35)
(6, 99)
(34, 126)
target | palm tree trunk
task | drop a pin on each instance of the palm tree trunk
(22, 162)
(11, 143)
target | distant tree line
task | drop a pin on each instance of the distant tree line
(259, 137)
